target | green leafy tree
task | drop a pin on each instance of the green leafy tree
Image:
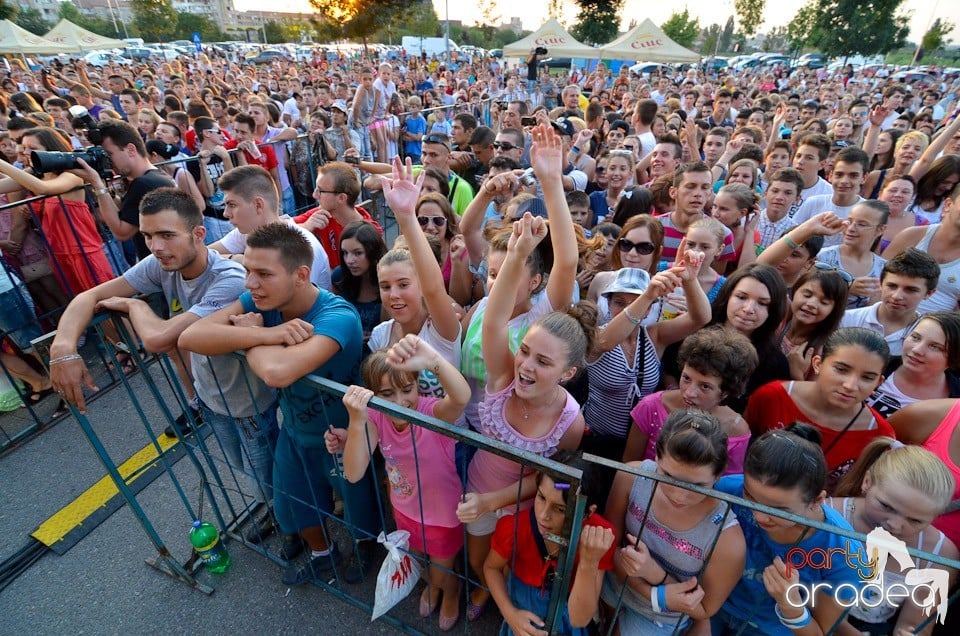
(841, 28)
(359, 19)
(8, 10)
(598, 21)
(190, 23)
(100, 26)
(776, 40)
(156, 19)
(936, 35)
(800, 29)
(750, 13)
(726, 37)
(490, 17)
(274, 31)
(709, 39)
(680, 28)
(32, 20)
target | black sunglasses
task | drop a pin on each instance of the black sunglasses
(438, 221)
(644, 248)
(504, 145)
(436, 139)
(826, 267)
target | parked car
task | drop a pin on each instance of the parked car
(812, 61)
(138, 54)
(649, 68)
(496, 53)
(102, 58)
(267, 56)
(923, 79)
(714, 63)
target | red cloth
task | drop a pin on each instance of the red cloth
(525, 562)
(771, 407)
(329, 236)
(190, 139)
(939, 444)
(267, 160)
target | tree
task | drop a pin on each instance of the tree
(598, 21)
(555, 9)
(750, 13)
(710, 39)
(800, 29)
(358, 19)
(156, 19)
(776, 39)
(489, 17)
(8, 10)
(936, 35)
(190, 23)
(100, 26)
(681, 29)
(726, 37)
(32, 20)
(841, 28)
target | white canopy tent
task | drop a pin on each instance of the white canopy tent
(76, 39)
(648, 43)
(553, 37)
(16, 40)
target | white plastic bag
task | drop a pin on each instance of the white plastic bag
(398, 574)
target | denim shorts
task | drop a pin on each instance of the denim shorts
(18, 321)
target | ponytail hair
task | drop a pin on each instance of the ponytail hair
(695, 438)
(577, 327)
(789, 458)
(886, 460)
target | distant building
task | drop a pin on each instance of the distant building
(49, 9)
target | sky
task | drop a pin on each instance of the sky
(532, 12)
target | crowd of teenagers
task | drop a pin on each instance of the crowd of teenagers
(747, 283)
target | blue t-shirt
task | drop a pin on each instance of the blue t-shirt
(598, 204)
(307, 411)
(417, 126)
(749, 600)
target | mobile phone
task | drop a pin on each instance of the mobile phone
(528, 121)
(352, 159)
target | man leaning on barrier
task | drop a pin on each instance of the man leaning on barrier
(289, 328)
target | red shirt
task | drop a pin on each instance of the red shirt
(771, 407)
(525, 561)
(329, 236)
(267, 160)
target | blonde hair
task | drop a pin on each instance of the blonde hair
(913, 135)
(715, 227)
(887, 462)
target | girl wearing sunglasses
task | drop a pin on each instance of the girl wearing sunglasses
(437, 219)
(638, 246)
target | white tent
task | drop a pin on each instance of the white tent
(77, 39)
(552, 37)
(14, 39)
(648, 43)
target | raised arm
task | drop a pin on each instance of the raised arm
(411, 353)
(823, 224)
(546, 158)
(62, 183)
(401, 194)
(698, 312)
(937, 145)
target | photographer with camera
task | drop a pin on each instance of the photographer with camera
(65, 220)
(128, 158)
(533, 64)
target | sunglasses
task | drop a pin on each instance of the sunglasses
(504, 145)
(644, 248)
(435, 139)
(215, 131)
(438, 221)
(826, 267)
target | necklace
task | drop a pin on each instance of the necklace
(523, 405)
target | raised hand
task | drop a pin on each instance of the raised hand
(546, 153)
(402, 192)
(528, 231)
(824, 224)
(410, 353)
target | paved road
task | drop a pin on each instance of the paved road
(102, 585)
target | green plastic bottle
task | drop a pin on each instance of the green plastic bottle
(206, 541)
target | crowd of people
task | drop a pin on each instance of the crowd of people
(746, 282)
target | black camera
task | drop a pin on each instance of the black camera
(95, 156)
(540, 50)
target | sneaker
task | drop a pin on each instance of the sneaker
(366, 555)
(261, 529)
(183, 424)
(311, 570)
(291, 545)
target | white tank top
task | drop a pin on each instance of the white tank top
(948, 289)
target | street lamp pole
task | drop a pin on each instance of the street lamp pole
(446, 34)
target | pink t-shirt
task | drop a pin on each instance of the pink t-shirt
(438, 469)
(649, 415)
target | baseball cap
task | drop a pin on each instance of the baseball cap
(340, 105)
(811, 103)
(564, 126)
(629, 280)
(622, 125)
(534, 206)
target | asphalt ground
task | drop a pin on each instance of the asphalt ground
(102, 585)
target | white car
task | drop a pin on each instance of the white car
(102, 58)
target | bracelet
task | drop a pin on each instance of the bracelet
(664, 579)
(67, 358)
(635, 322)
(575, 150)
(655, 599)
(790, 242)
(793, 623)
(101, 191)
(662, 598)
